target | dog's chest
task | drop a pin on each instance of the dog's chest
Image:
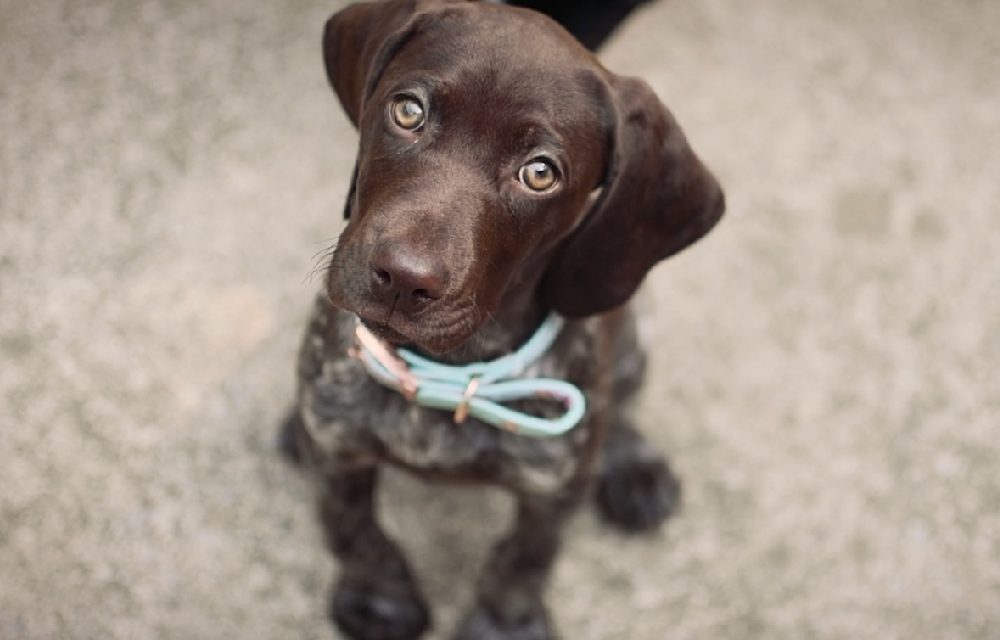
(351, 417)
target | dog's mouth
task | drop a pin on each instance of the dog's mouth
(398, 331)
(433, 331)
(386, 332)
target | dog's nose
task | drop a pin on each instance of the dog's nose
(406, 278)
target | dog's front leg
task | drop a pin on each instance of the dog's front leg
(636, 490)
(376, 597)
(510, 602)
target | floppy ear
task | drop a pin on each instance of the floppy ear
(658, 198)
(358, 42)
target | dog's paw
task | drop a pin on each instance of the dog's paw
(483, 625)
(364, 613)
(637, 494)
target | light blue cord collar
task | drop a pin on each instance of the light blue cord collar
(477, 389)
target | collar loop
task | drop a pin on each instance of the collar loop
(480, 388)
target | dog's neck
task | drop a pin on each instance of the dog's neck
(502, 334)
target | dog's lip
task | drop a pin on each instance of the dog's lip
(400, 333)
(385, 331)
(428, 334)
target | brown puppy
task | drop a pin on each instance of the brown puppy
(502, 174)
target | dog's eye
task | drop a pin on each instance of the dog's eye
(538, 175)
(408, 113)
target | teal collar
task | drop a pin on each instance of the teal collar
(477, 389)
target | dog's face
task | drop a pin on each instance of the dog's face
(489, 138)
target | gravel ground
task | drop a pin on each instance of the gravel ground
(824, 363)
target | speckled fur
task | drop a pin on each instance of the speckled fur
(351, 420)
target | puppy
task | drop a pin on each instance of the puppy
(509, 196)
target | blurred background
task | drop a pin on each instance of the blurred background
(824, 365)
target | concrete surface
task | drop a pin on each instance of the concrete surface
(825, 366)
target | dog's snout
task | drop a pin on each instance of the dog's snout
(406, 278)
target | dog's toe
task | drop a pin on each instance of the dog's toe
(482, 625)
(366, 614)
(638, 495)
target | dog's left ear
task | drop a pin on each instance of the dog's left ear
(657, 199)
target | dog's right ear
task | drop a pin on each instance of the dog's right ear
(358, 42)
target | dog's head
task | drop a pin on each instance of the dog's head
(498, 158)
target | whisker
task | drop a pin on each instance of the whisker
(321, 260)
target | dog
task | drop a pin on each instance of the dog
(506, 185)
